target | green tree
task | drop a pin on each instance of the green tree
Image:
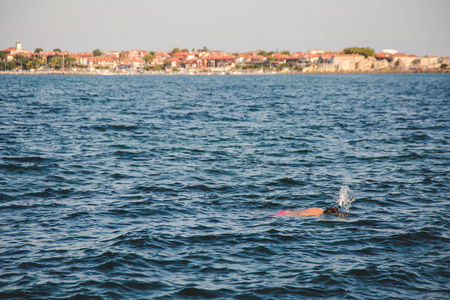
(158, 68)
(175, 50)
(34, 63)
(56, 62)
(38, 50)
(366, 51)
(444, 66)
(3, 55)
(69, 62)
(185, 50)
(265, 53)
(7, 65)
(283, 66)
(20, 60)
(298, 68)
(57, 50)
(149, 57)
(97, 52)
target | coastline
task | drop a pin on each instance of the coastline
(216, 73)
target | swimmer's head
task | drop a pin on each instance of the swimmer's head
(331, 210)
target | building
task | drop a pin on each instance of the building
(347, 62)
(430, 62)
(13, 51)
(405, 62)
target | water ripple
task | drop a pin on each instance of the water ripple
(161, 186)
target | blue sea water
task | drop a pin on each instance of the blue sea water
(161, 187)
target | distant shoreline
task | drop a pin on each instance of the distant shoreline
(214, 73)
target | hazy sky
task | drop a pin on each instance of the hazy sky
(418, 27)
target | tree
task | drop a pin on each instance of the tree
(34, 63)
(20, 60)
(38, 50)
(69, 62)
(366, 51)
(185, 50)
(265, 53)
(57, 50)
(149, 56)
(2, 55)
(97, 52)
(7, 65)
(298, 68)
(158, 68)
(56, 62)
(175, 50)
(283, 66)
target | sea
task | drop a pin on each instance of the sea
(162, 187)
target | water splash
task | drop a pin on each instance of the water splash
(346, 197)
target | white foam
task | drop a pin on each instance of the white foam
(346, 197)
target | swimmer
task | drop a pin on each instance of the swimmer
(313, 211)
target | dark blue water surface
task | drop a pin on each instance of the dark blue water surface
(160, 187)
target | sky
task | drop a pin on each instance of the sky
(419, 27)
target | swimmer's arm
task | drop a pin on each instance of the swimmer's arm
(313, 211)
